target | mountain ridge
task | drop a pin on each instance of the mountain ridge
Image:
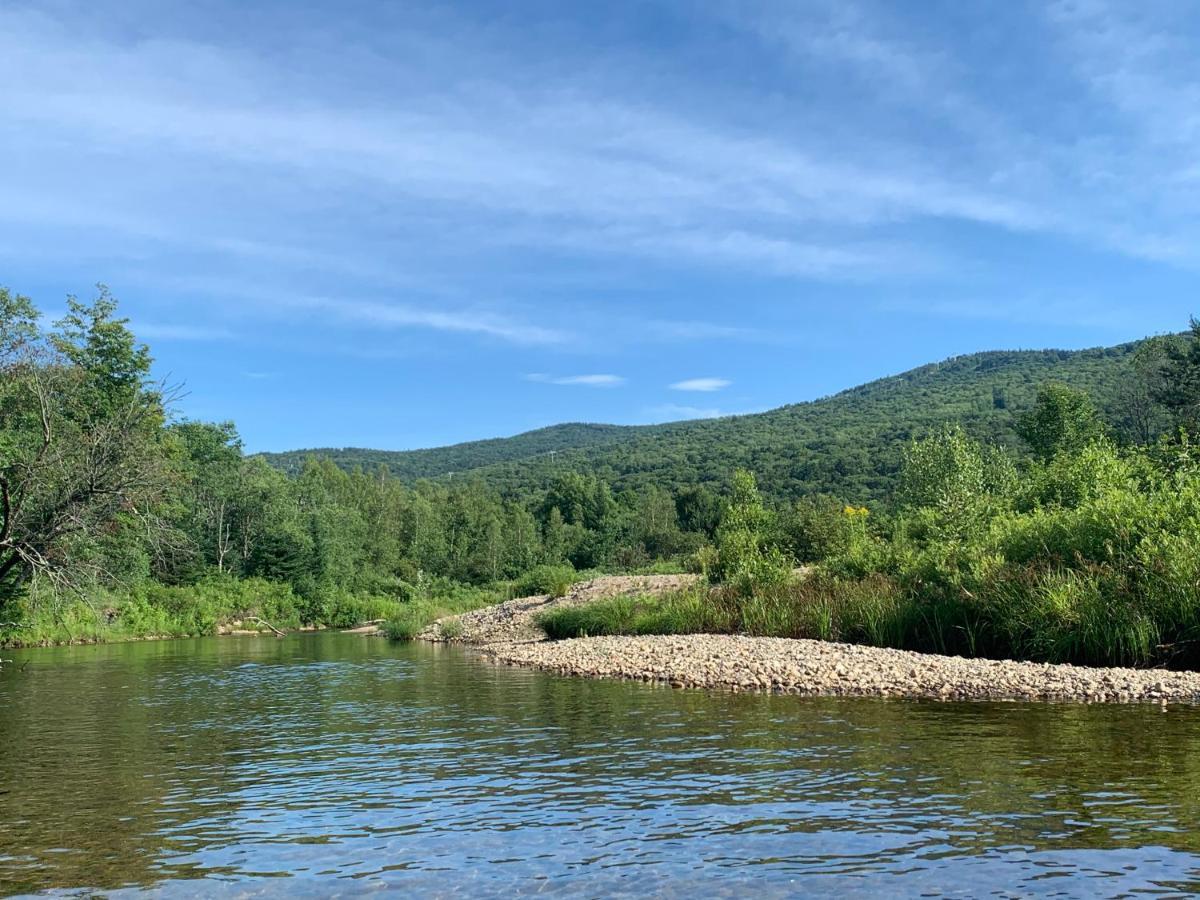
(847, 442)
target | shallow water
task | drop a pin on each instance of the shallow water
(322, 765)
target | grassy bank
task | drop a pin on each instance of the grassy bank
(160, 611)
(413, 617)
(691, 611)
(1039, 615)
(1089, 556)
(214, 604)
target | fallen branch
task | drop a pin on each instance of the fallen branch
(278, 633)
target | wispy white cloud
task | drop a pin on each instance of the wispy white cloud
(1140, 60)
(577, 168)
(1029, 156)
(394, 178)
(701, 384)
(691, 330)
(600, 381)
(355, 313)
(389, 315)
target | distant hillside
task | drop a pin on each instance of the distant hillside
(411, 465)
(848, 444)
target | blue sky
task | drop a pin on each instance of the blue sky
(398, 225)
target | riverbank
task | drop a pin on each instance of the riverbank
(227, 629)
(807, 667)
(152, 611)
(507, 633)
(515, 620)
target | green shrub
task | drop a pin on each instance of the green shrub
(746, 560)
(1071, 480)
(407, 620)
(703, 562)
(664, 567)
(681, 612)
(816, 528)
(341, 609)
(553, 580)
(402, 628)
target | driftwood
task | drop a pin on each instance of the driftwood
(278, 633)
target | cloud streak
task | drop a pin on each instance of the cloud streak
(704, 385)
(428, 190)
(594, 381)
(581, 168)
(396, 315)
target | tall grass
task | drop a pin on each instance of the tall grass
(686, 611)
(155, 610)
(1091, 616)
(414, 616)
(555, 581)
(1091, 557)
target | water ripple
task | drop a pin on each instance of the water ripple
(325, 765)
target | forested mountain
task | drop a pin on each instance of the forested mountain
(411, 465)
(848, 444)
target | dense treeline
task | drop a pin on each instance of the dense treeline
(1040, 524)
(848, 445)
(413, 465)
(104, 497)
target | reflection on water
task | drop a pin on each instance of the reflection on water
(338, 764)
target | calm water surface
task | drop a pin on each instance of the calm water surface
(326, 765)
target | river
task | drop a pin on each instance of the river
(333, 764)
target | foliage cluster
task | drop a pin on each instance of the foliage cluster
(106, 503)
(1087, 552)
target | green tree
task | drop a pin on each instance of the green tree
(698, 509)
(99, 345)
(212, 466)
(1063, 420)
(1141, 418)
(657, 523)
(523, 549)
(81, 452)
(1179, 387)
(745, 559)
(944, 471)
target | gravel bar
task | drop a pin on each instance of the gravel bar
(787, 666)
(507, 633)
(514, 620)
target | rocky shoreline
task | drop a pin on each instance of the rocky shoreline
(805, 667)
(507, 634)
(513, 620)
